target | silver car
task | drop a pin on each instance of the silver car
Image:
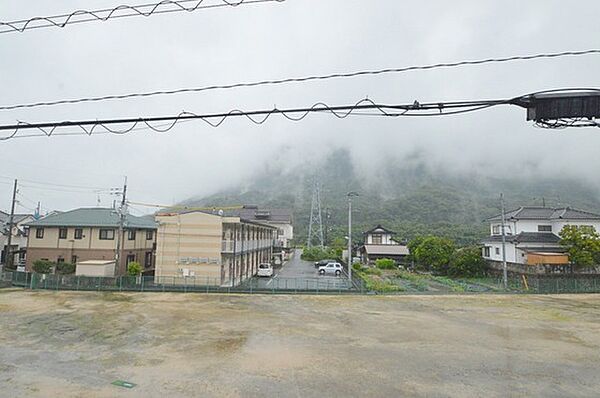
(331, 268)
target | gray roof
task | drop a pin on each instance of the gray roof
(546, 213)
(17, 218)
(93, 217)
(527, 237)
(252, 213)
(379, 228)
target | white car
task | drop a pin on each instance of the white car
(331, 268)
(265, 269)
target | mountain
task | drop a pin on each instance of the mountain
(409, 200)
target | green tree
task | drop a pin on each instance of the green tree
(582, 243)
(467, 262)
(385, 263)
(434, 253)
(134, 268)
(65, 268)
(43, 266)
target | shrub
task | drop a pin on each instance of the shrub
(432, 253)
(65, 268)
(134, 268)
(43, 266)
(385, 263)
(467, 262)
(317, 253)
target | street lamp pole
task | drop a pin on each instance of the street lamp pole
(350, 195)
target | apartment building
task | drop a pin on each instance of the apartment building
(18, 239)
(91, 234)
(209, 247)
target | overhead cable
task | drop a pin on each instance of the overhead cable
(304, 79)
(89, 127)
(122, 11)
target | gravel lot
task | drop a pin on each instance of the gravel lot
(74, 344)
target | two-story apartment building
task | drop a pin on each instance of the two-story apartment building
(91, 234)
(19, 237)
(532, 233)
(210, 248)
(379, 243)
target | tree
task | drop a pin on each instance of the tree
(582, 243)
(134, 268)
(467, 262)
(65, 268)
(385, 263)
(43, 266)
(433, 253)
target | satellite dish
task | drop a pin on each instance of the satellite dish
(221, 212)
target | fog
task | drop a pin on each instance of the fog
(289, 39)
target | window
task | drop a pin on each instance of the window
(107, 234)
(148, 260)
(376, 239)
(130, 258)
(60, 260)
(131, 234)
(149, 234)
(497, 251)
(496, 230)
(486, 251)
(544, 228)
(62, 233)
(73, 259)
(39, 233)
(78, 233)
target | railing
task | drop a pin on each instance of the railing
(227, 246)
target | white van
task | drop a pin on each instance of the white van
(265, 269)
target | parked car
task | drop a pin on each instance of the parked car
(331, 268)
(321, 263)
(265, 269)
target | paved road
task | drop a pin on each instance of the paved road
(301, 275)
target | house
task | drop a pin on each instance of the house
(18, 239)
(210, 248)
(280, 218)
(379, 243)
(91, 234)
(532, 234)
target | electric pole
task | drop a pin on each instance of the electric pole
(122, 215)
(9, 256)
(350, 195)
(504, 270)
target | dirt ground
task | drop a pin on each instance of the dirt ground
(74, 344)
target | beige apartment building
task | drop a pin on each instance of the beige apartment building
(91, 234)
(209, 248)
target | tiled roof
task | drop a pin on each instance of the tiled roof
(93, 217)
(17, 218)
(546, 213)
(379, 228)
(396, 250)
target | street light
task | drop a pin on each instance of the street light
(350, 195)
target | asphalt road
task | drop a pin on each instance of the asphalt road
(299, 274)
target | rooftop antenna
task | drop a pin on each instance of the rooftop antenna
(315, 226)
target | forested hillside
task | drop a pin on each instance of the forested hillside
(411, 201)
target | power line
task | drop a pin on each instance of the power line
(45, 183)
(304, 79)
(431, 109)
(257, 116)
(122, 11)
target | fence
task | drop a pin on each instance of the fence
(541, 284)
(177, 284)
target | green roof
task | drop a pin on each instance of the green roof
(93, 217)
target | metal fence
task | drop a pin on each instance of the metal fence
(536, 284)
(178, 284)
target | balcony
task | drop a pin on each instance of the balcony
(227, 246)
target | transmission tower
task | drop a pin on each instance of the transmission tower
(315, 226)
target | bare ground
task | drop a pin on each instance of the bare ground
(74, 344)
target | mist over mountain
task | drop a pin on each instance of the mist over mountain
(409, 197)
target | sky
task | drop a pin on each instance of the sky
(278, 40)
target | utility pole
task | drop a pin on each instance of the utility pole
(350, 195)
(122, 215)
(504, 270)
(9, 256)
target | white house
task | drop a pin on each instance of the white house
(19, 236)
(533, 231)
(379, 243)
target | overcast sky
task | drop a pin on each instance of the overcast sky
(289, 39)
